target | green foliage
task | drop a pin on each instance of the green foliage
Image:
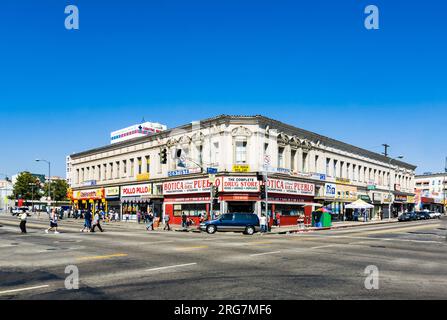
(23, 188)
(58, 190)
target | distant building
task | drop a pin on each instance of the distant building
(68, 170)
(431, 191)
(136, 131)
(5, 192)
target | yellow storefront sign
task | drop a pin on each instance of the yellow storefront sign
(241, 168)
(410, 199)
(143, 177)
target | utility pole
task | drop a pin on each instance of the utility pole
(386, 146)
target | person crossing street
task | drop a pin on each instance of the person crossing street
(53, 222)
(96, 222)
(23, 216)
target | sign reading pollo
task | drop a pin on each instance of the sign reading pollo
(188, 186)
(136, 190)
(291, 187)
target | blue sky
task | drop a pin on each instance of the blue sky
(307, 63)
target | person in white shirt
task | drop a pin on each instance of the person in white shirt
(23, 216)
(263, 223)
(53, 222)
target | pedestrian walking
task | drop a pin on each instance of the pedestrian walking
(127, 217)
(166, 219)
(97, 222)
(117, 217)
(53, 222)
(150, 219)
(87, 221)
(23, 216)
(139, 217)
(184, 220)
(278, 219)
(263, 223)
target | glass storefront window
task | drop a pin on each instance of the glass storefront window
(194, 209)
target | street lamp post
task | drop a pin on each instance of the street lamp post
(49, 178)
(390, 202)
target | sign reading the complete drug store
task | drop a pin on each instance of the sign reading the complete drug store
(240, 184)
(291, 187)
(136, 190)
(188, 186)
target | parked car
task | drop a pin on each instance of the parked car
(434, 214)
(408, 216)
(248, 223)
(18, 210)
(423, 215)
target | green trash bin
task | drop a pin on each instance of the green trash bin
(326, 220)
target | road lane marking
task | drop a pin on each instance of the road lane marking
(24, 289)
(171, 267)
(264, 253)
(325, 246)
(190, 248)
(110, 256)
(395, 230)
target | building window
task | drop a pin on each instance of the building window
(140, 165)
(305, 160)
(111, 170)
(293, 160)
(148, 164)
(132, 167)
(117, 163)
(125, 167)
(334, 168)
(215, 154)
(328, 163)
(241, 152)
(281, 157)
(316, 163)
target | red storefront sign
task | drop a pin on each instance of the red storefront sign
(427, 200)
(290, 187)
(188, 186)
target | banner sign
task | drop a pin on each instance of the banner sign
(112, 192)
(183, 172)
(241, 168)
(89, 194)
(330, 190)
(188, 186)
(240, 184)
(291, 187)
(136, 190)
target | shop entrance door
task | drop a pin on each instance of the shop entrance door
(243, 207)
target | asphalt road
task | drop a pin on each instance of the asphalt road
(124, 263)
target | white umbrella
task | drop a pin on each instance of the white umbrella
(359, 204)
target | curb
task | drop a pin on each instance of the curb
(330, 228)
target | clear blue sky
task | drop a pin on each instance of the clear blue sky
(308, 63)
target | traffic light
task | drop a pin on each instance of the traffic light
(215, 192)
(263, 191)
(164, 156)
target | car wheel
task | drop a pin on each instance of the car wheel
(211, 229)
(249, 230)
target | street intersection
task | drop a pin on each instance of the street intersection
(131, 263)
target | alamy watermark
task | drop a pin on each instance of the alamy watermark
(372, 277)
(72, 280)
(72, 20)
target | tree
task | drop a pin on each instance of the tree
(59, 190)
(26, 187)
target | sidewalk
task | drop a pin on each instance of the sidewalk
(335, 225)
